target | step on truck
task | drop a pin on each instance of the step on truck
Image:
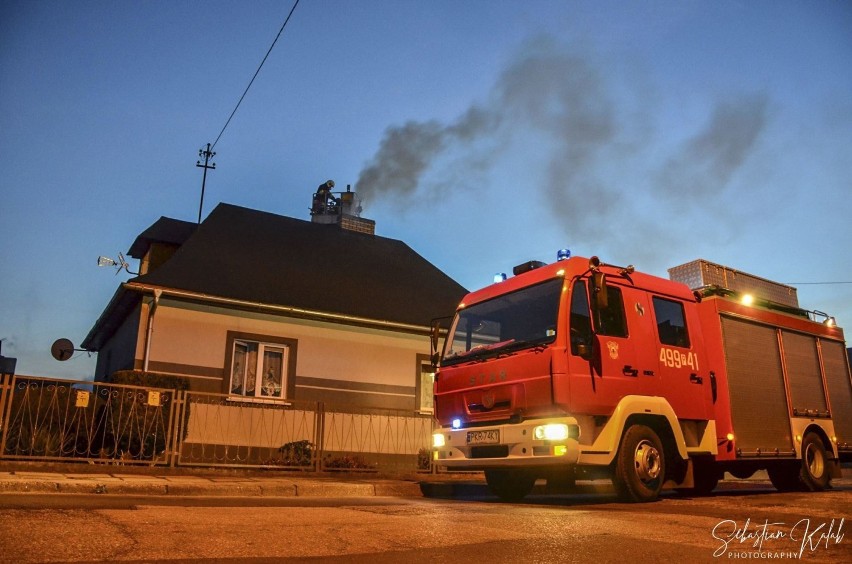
(584, 370)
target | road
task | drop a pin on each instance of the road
(589, 526)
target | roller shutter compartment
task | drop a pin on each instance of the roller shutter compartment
(756, 385)
(803, 375)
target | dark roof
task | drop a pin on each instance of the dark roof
(256, 256)
(164, 230)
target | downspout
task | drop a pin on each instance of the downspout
(150, 330)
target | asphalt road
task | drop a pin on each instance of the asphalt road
(589, 526)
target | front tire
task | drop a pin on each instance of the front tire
(509, 485)
(640, 465)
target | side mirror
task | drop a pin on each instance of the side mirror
(434, 336)
(599, 293)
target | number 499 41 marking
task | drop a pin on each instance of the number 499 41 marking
(677, 359)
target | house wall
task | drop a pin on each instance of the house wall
(334, 363)
(120, 351)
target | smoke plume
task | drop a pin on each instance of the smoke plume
(595, 161)
(705, 164)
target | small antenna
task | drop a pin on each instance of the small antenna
(120, 264)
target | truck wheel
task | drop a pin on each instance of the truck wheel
(814, 475)
(509, 485)
(640, 465)
(808, 475)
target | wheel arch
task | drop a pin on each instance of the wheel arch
(653, 412)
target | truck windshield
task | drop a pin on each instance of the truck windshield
(521, 319)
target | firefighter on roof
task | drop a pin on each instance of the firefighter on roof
(323, 198)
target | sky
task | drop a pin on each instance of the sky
(481, 133)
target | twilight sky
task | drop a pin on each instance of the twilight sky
(481, 133)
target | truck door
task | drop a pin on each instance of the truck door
(620, 366)
(684, 380)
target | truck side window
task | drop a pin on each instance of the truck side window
(611, 319)
(671, 322)
(581, 321)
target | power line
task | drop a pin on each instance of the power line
(280, 31)
(816, 283)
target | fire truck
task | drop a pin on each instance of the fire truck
(580, 370)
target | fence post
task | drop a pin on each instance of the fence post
(177, 427)
(319, 433)
(5, 393)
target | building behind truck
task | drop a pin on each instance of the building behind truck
(580, 370)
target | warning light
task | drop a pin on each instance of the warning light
(747, 299)
(730, 436)
(563, 254)
(499, 277)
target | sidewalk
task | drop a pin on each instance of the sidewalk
(78, 479)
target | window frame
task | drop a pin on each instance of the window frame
(654, 300)
(423, 360)
(288, 370)
(615, 297)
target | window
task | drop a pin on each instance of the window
(611, 319)
(581, 321)
(671, 322)
(257, 369)
(424, 388)
(522, 319)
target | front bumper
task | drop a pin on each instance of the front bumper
(516, 446)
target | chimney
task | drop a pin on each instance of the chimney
(340, 208)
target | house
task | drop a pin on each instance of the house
(264, 307)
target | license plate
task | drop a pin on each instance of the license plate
(486, 437)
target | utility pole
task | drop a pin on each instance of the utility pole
(207, 154)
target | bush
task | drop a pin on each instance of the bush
(297, 453)
(347, 462)
(131, 427)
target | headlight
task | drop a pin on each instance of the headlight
(551, 432)
(438, 440)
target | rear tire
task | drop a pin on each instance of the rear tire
(509, 485)
(640, 465)
(815, 476)
(810, 474)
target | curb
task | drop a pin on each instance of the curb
(106, 484)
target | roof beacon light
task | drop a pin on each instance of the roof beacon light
(563, 254)
(527, 266)
(499, 277)
(747, 299)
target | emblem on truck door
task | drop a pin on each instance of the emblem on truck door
(613, 349)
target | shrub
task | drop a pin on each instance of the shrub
(346, 462)
(297, 453)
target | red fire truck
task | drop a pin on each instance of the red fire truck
(583, 370)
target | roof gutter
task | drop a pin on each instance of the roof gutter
(295, 311)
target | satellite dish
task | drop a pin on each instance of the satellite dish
(62, 349)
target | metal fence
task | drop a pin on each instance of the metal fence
(62, 420)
